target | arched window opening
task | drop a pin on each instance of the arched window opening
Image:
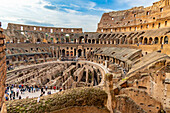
(166, 40)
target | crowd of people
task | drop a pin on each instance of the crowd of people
(13, 91)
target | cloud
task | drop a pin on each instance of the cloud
(92, 6)
(40, 12)
(71, 11)
(73, 5)
(135, 3)
(38, 23)
(50, 7)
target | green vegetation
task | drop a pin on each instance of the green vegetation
(69, 98)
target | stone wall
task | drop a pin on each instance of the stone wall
(136, 19)
(124, 104)
(21, 27)
(2, 67)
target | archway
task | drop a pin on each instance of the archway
(135, 41)
(97, 41)
(156, 40)
(150, 40)
(166, 40)
(123, 39)
(100, 36)
(67, 39)
(93, 41)
(108, 41)
(130, 41)
(63, 52)
(75, 40)
(118, 41)
(89, 41)
(62, 40)
(101, 42)
(39, 40)
(145, 41)
(80, 39)
(85, 39)
(67, 53)
(71, 53)
(79, 53)
(140, 40)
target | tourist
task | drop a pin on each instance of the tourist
(22, 86)
(21, 90)
(54, 87)
(14, 94)
(17, 90)
(19, 86)
(46, 88)
(38, 99)
(60, 89)
(49, 92)
(6, 90)
(34, 89)
(41, 94)
(13, 98)
(6, 97)
(42, 90)
(20, 97)
(10, 96)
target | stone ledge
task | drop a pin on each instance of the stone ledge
(69, 98)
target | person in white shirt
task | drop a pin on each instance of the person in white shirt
(38, 99)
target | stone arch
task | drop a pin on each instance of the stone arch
(39, 40)
(97, 41)
(130, 41)
(67, 38)
(80, 39)
(135, 41)
(93, 41)
(150, 40)
(166, 40)
(71, 53)
(85, 39)
(123, 40)
(75, 40)
(89, 41)
(100, 36)
(101, 42)
(145, 41)
(67, 53)
(140, 40)
(79, 53)
(112, 41)
(108, 41)
(156, 40)
(63, 52)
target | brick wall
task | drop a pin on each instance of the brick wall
(2, 68)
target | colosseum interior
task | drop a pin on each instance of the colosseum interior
(123, 67)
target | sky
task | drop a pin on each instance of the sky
(84, 14)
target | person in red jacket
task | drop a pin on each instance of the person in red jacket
(54, 87)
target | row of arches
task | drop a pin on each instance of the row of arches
(132, 38)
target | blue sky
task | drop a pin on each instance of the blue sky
(62, 13)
